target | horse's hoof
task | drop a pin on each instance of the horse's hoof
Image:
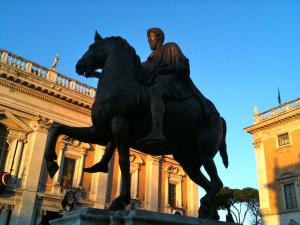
(208, 209)
(52, 168)
(118, 204)
(98, 167)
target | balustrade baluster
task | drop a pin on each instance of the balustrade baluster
(19, 64)
(51, 75)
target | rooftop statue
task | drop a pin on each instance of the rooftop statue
(153, 107)
(55, 62)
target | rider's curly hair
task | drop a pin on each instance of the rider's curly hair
(158, 33)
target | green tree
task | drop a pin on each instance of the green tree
(239, 203)
(256, 218)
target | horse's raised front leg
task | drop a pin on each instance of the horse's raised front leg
(102, 165)
(84, 134)
(121, 138)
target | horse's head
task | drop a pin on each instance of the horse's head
(93, 59)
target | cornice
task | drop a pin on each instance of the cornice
(274, 121)
(44, 86)
(39, 92)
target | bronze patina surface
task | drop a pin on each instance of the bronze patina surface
(153, 107)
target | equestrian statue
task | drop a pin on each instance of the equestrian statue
(153, 107)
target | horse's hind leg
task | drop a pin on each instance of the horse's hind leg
(216, 183)
(192, 168)
(85, 134)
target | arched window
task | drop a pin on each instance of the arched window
(3, 146)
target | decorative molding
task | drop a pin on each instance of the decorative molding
(287, 175)
(257, 143)
(135, 159)
(77, 144)
(40, 123)
(175, 174)
(274, 121)
(49, 96)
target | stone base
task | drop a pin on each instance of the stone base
(89, 216)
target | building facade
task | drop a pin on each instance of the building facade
(276, 139)
(32, 97)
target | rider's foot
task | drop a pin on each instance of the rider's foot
(98, 167)
(155, 137)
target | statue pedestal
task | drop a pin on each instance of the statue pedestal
(89, 216)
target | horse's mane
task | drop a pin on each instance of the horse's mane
(127, 47)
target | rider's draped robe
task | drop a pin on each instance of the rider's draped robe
(167, 71)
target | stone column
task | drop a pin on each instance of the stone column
(18, 157)
(81, 167)
(152, 183)
(23, 212)
(99, 182)
(23, 162)
(57, 178)
(10, 154)
(5, 214)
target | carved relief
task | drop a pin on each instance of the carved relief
(40, 123)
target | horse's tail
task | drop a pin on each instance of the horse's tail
(223, 147)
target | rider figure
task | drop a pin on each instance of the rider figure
(167, 72)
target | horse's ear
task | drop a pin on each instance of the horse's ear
(97, 37)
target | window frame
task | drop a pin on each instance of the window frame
(289, 178)
(5, 147)
(293, 201)
(283, 144)
(174, 194)
(174, 175)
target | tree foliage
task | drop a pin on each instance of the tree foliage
(239, 203)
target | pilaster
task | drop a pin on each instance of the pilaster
(152, 183)
(23, 212)
(262, 175)
(99, 185)
(193, 200)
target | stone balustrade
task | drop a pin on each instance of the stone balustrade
(50, 74)
(277, 110)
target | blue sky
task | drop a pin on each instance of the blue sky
(240, 51)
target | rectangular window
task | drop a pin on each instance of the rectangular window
(3, 146)
(68, 172)
(290, 196)
(283, 139)
(172, 195)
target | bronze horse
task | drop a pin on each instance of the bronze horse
(121, 116)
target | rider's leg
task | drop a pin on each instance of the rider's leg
(102, 165)
(157, 110)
